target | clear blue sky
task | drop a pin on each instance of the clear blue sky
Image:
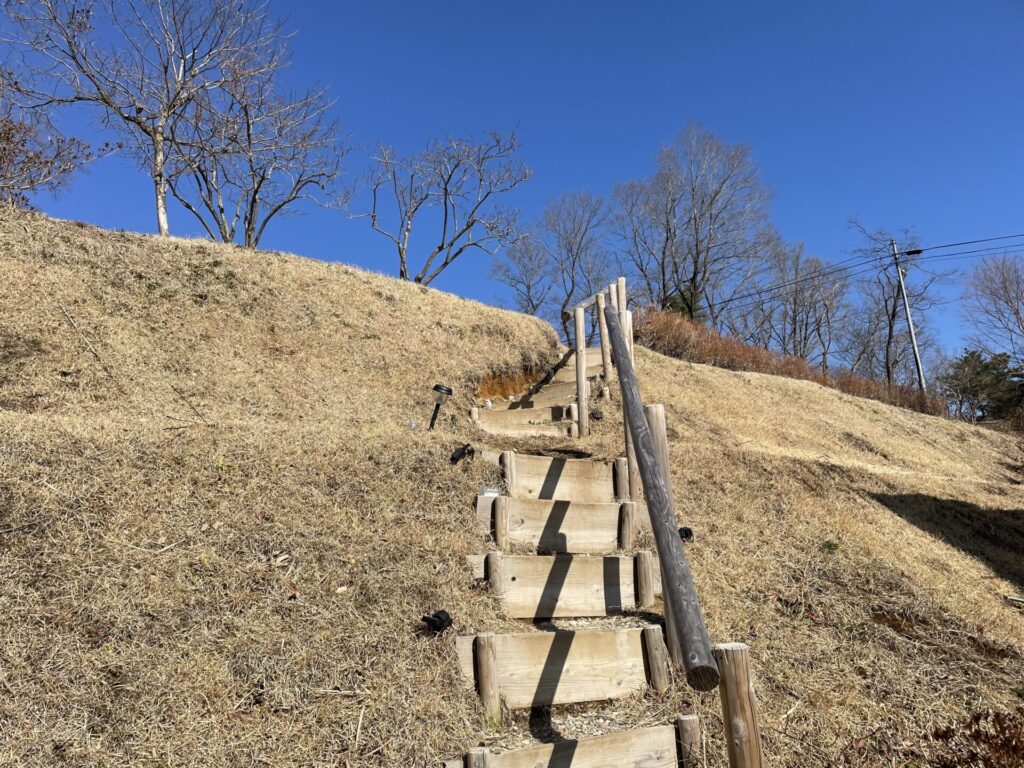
(905, 114)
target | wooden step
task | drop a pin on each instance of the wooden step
(550, 527)
(512, 417)
(561, 586)
(568, 372)
(536, 669)
(557, 429)
(580, 480)
(663, 746)
(560, 393)
(477, 565)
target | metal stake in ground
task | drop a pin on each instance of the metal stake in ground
(677, 581)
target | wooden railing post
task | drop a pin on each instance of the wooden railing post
(655, 414)
(618, 291)
(688, 736)
(487, 677)
(606, 352)
(582, 405)
(739, 707)
(629, 334)
(677, 580)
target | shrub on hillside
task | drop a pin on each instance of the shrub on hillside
(674, 335)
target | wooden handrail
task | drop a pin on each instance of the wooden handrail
(677, 580)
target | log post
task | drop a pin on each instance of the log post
(582, 404)
(739, 707)
(633, 469)
(627, 525)
(485, 660)
(507, 462)
(688, 740)
(620, 295)
(629, 334)
(657, 660)
(606, 352)
(677, 580)
(655, 415)
(621, 479)
(644, 579)
(613, 296)
(500, 508)
(478, 757)
(495, 574)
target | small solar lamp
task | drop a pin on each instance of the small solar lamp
(441, 394)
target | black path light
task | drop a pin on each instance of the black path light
(441, 394)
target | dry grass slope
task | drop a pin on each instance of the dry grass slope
(218, 531)
(217, 527)
(863, 551)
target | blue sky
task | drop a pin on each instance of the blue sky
(904, 114)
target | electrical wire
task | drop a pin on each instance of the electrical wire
(836, 268)
(970, 254)
(968, 242)
(833, 268)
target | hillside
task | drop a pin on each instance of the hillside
(221, 517)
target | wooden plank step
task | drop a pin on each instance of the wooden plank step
(545, 477)
(561, 586)
(555, 429)
(559, 393)
(535, 669)
(477, 565)
(568, 372)
(510, 417)
(661, 746)
(549, 527)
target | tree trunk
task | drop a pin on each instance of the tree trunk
(160, 183)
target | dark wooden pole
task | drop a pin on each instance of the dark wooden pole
(677, 581)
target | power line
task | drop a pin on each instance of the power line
(966, 242)
(975, 253)
(836, 268)
(868, 267)
(831, 269)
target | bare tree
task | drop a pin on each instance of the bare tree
(142, 63)
(463, 182)
(561, 261)
(807, 306)
(573, 224)
(33, 155)
(994, 306)
(694, 232)
(245, 153)
(526, 268)
(798, 308)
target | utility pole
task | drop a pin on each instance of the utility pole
(910, 322)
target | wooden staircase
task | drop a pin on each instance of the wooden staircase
(545, 410)
(564, 533)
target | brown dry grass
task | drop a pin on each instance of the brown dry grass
(672, 334)
(244, 593)
(862, 551)
(216, 543)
